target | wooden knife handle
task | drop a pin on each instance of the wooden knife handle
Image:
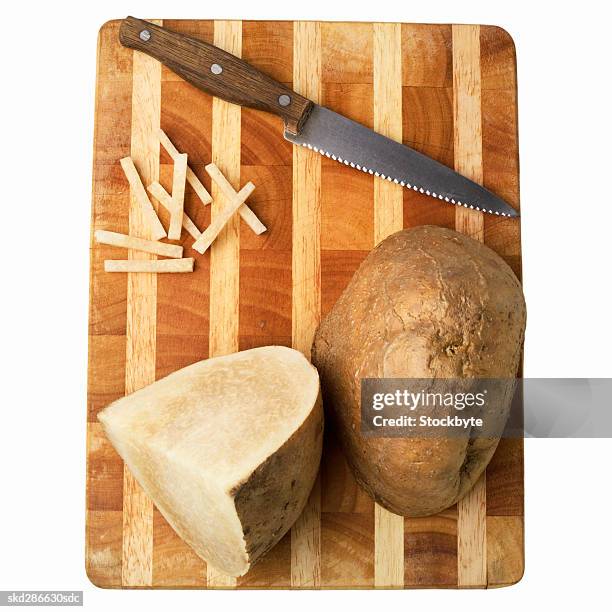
(215, 71)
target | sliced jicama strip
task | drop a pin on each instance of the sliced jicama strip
(219, 220)
(178, 196)
(192, 179)
(165, 199)
(249, 217)
(138, 192)
(190, 227)
(149, 265)
(139, 244)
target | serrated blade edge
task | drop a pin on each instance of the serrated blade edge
(355, 145)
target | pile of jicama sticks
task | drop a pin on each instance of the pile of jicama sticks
(174, 203)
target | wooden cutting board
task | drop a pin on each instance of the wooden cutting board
(448, 91)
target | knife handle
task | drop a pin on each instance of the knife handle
(215, 71)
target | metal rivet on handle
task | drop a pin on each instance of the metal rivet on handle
(284, 100)
(145, 35)
(216, 69)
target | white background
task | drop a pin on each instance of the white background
(48, 70)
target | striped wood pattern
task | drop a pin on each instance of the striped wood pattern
(323, 219)
(225, 251)
(388, 218)
(137, 565)
(306, 282)
(467, 96)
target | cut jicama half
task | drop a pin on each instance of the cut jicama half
(228, 449)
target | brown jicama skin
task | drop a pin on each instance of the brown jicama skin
(426, 303)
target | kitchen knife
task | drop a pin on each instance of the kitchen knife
(226, 76)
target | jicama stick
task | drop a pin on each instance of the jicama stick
(219, 221)
(168, 144)
(139, 193)
(197, 186)
(229, 192)
(149, 265)
(192, 179)
(165, 199)
(138, 244)
(189, 225)
(178, 196)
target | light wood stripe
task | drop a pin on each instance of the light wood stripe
(388, 218)
(306, 275)
(467, 120)
(388, 197)
(388, 549)
(137, 539)
(225, 251)
(472, 510)
(472, 537)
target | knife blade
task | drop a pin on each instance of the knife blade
(307, 124)
(359, 147)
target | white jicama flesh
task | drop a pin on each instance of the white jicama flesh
(227, 448)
